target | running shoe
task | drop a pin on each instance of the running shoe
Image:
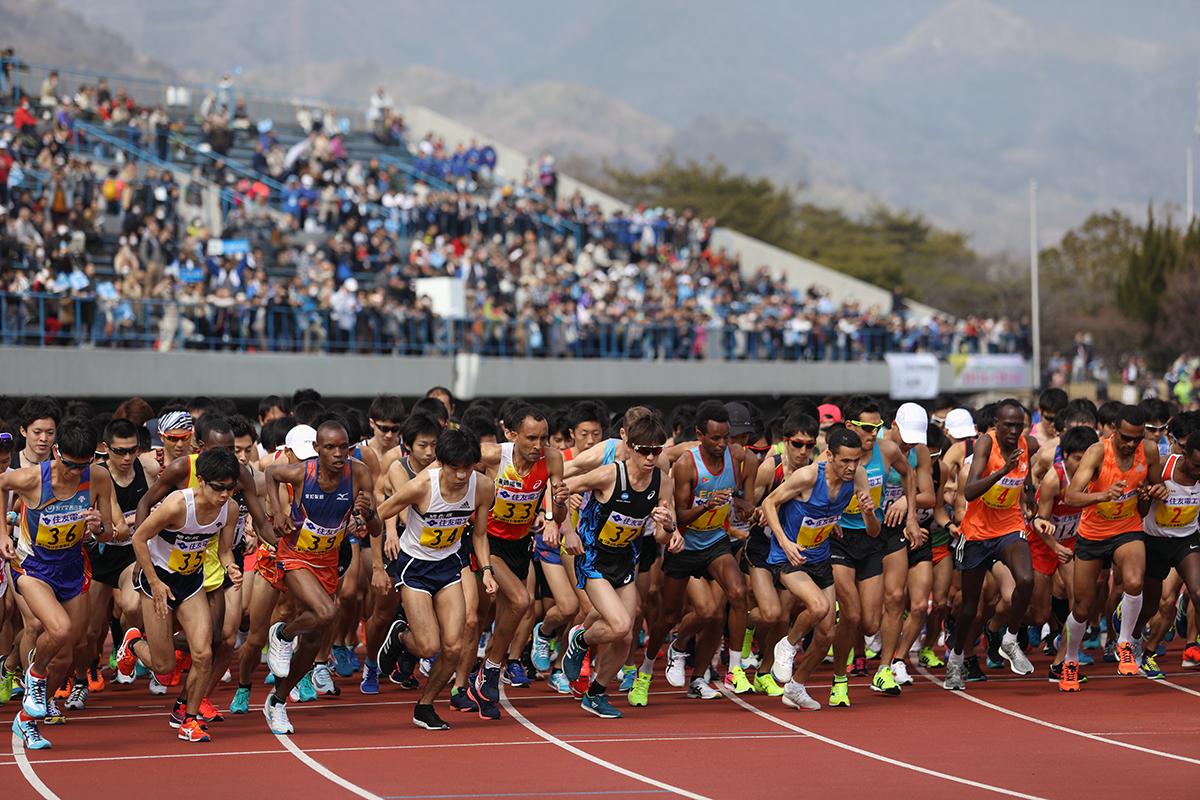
(1086, 659)
(64, 691)
(751, 661)
(1018, 662)
(737, 682)
(341, 661)
(7, 681)
(29, 733)
(796, 696)
(77, 699)
(1091, 639)
(874, 644)
(639, 695)
(53, 715)
(370, 679)
(1069, 682)
(700, 689)
(900, 673)
(392, 647)
(34, 701)
(1126, 660)
(514, 675)
(355, 664)
(858, 668)
(627, 675)
(209, 713)
(928, 658)
(240, 704)
(1050, 646)
(884, 682)
(1191, 655)
(183, 662)
(974, 674)
(839, 693)
(1110, 652)
(126, 659)
(193, 731)
(572, 662)
(599, 705)
(489, 683)
(461, 701)
(1149, 667)
(765, 684)
(1054, 675)
(580, 685)
(785, 658)
(322, 679)
(306, 690)
(955, 680)
(488, 710)
(993, 649)
(279, 651)
(676, 667)
(558, 682)
(425, 717)
(158, 683)
(277, 716)
(405, 680)
(425, 666)
(95, 680)
(541, 649)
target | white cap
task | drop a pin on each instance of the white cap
(913, 423)
(960, 424)
(300, 440)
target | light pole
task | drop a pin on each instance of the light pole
(1034, 302)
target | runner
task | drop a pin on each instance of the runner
(993, 530)
(170, 545)
(174, 428)
(625, 498)
(442, 503)
(39, 417)
(63, 502)
(802, 513)
(1112, 477)
(327, 492)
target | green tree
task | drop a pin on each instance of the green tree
(1155, 257)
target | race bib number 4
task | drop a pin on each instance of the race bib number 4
(1004, 493)
(439, 538)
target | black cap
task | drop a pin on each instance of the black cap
(739, 419)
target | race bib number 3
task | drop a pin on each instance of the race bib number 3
(1121, 508)
(620, 530)
(513, 512)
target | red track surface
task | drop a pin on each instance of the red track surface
(928, 742)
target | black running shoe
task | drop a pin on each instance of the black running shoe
(425, 717)
(974, 673)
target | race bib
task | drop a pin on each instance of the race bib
(1123, 507)
(1004, 493)
(713, 518)
(59, 531)
(1179, 514)
(621, 530)
(437, 538)
(314, 538)
(1066, 527)
(515, 508)
(815, 531)
(875, 489)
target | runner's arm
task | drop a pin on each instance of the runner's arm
(484, 496)
(225, 544)
(1077, 494)
(977, 484)
(168, 481)
(170, 513)
(362, 488)
(558, 492)
(796, 485)
(684, 477)
(249, 487)
(1047, 494)
(862, 487)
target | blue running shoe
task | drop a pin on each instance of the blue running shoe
(370, 679)
(241, 701)
(540, 654)
(460, 700)
(628, 676)
(484, 685)
(270, 679)
(341, 661)
(598, 704)
(306, 690)
(355, 664)
(558, 682)
(572, 663)
(34, 701)
(514, 675)
(1085, 660)
(30, 735)
(1110, 651)
(489, 710)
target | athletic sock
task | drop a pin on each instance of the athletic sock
(735, 659)
(647, 665)
(1073, 636)
(596, 689)
(956, 659)
(747, 643)
(1131, 608)
(245, 686)
(489, 664)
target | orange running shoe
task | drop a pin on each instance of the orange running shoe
(580, 685)
(182, 662)
(1126, 663)
(193, 731)
(64, 691)
(95, 678)
(1191, 655)
(209, 712)
(126, 659)
(1069, 682)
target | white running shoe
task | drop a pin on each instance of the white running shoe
(1017, 662)
(785, 657)
(322, 679)
(676, 667)
(796, 696)
(900, 673)
(955, 677)
(702, 690)
(77, 699)
(279, 652)
(156, 686)
(277, 716)
(123, 678)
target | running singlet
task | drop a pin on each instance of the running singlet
(1063, 517)
(998, 511)
(760, 531)
(852, 518)
(128, 497)
(182, 551)
(709, 527)
(320, 518)
(438, 533)
(1175, 516)
(53, 532)
(517, 497)
(1114, 517)
(809, 523)
(622, 519)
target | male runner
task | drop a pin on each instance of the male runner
(625, 497)
(63, 502)
(39, 417)
(442, 503)
(170, 545)
(1114, 475)
(326, 491)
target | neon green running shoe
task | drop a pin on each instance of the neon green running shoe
(884, 682)
(737, 682)
(929, 658)
(765, 684)
(639, 695)
(839, 693)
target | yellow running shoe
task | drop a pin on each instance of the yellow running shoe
(639, 695)
(765, 684)
(929, 658)
(839, 693)
(737, 682)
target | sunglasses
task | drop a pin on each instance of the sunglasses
(175, 437)
(388, 429)
(758, 449)
(802, 444)
(80, 465)
(222, 487)
(122, 451)
(1125, 437)
(1156, 428)
(654, 450)
(866, 426)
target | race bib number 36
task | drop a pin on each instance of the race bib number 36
(59, 531)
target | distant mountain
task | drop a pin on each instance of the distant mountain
(947, 107)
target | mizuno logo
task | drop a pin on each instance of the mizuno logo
(343, 496)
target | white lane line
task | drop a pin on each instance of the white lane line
(1178, 688)
(310, 762)
(876, 756)
(600, 762)
(18, 753)
(1060, 728)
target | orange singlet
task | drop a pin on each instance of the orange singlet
(998, 511)
(1114, 517)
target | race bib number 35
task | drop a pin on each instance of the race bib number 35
(185, 562)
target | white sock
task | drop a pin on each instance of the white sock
(489, 664)
(647, 666)
(1131, 607)
(956, 658)
(1009, 637)
(1073, 636)
(735, 658)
